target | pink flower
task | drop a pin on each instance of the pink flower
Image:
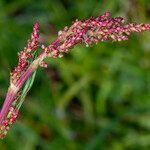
(89, 31)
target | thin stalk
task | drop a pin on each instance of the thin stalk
(9, 98)
(13, 89)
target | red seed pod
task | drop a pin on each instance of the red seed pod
(43, 64)
(92, 30)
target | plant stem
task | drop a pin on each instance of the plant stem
(9, 98)
(13, 89)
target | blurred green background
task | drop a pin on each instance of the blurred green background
(95, 98)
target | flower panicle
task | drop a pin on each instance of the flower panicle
(9, 112)
(9, 120)
(26, 55)
(88, 31)
(94, 30)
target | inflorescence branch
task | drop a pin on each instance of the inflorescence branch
(89, 31)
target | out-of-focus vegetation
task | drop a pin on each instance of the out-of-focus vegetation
(95, 98)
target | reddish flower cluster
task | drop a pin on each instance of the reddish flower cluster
(93, 30)
(10, 119)
(26, 55)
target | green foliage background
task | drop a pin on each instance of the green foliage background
(95, 98)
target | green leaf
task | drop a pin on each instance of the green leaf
(26, 88)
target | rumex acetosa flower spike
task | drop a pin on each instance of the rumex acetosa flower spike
(7, 116)
(94, 30)
(9, 120)
(88, 31)
(26, 54)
